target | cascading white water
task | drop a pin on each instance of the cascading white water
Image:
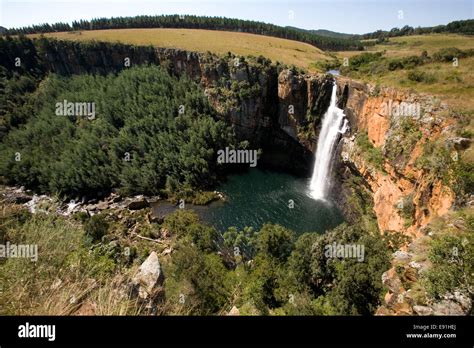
(333, 124)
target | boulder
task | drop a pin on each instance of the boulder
(234, 311)
(21, 198)
(15, 195)
(423, 310)
(402, 256)
(137, 203)
(103, 205)
(448, 307)
(391, 281)
(152, 219)
(115, 198)
(460, 143)
(402, 308)
(462, 299)
(149, 278)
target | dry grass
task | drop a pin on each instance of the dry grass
(453, 85)
(68, 278)
(219, 42)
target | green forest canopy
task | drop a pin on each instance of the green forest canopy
(137, 113)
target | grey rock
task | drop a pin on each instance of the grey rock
(460, 143)
(423, 310)
(149, 278)
(102, 205)
(448, 307)
(462, 299)
(415, 265)
(234, 311)
(137, 203)
(402, 256)
(393, 284)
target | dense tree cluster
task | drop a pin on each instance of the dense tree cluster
(151, 131)
(273, 271)
(196, 22)
(457, 27)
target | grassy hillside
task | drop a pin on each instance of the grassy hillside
(453, 84)
(220, 42)
(414, 45)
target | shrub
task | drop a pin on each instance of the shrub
(421, 76)
(275, 241)
(401, 141)
(463, 173)
(96, 227)
(448, 54)
(452, 257)
(436, 160)
(406, 208)
(371, 154)
(405, 62)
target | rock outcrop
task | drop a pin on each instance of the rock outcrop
(397, 180)
(147, 282)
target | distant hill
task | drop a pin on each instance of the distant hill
(324, 32)
(329, 33)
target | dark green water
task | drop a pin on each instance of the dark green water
(257, 197)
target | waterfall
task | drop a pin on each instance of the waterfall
(333, 124)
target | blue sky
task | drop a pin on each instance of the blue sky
(350, 16)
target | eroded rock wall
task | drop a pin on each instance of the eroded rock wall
(399, 181)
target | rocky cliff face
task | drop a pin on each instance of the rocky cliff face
(398, 182)
(406, 196)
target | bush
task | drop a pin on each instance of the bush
(370, 153)
(406, 209)
(275, 241)
(405, 62)
(421, 76)
(448, 54)
(452, 257)
(201, 278)
(401, 141)
(435, 160)
(463, 173)
(96, 227)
